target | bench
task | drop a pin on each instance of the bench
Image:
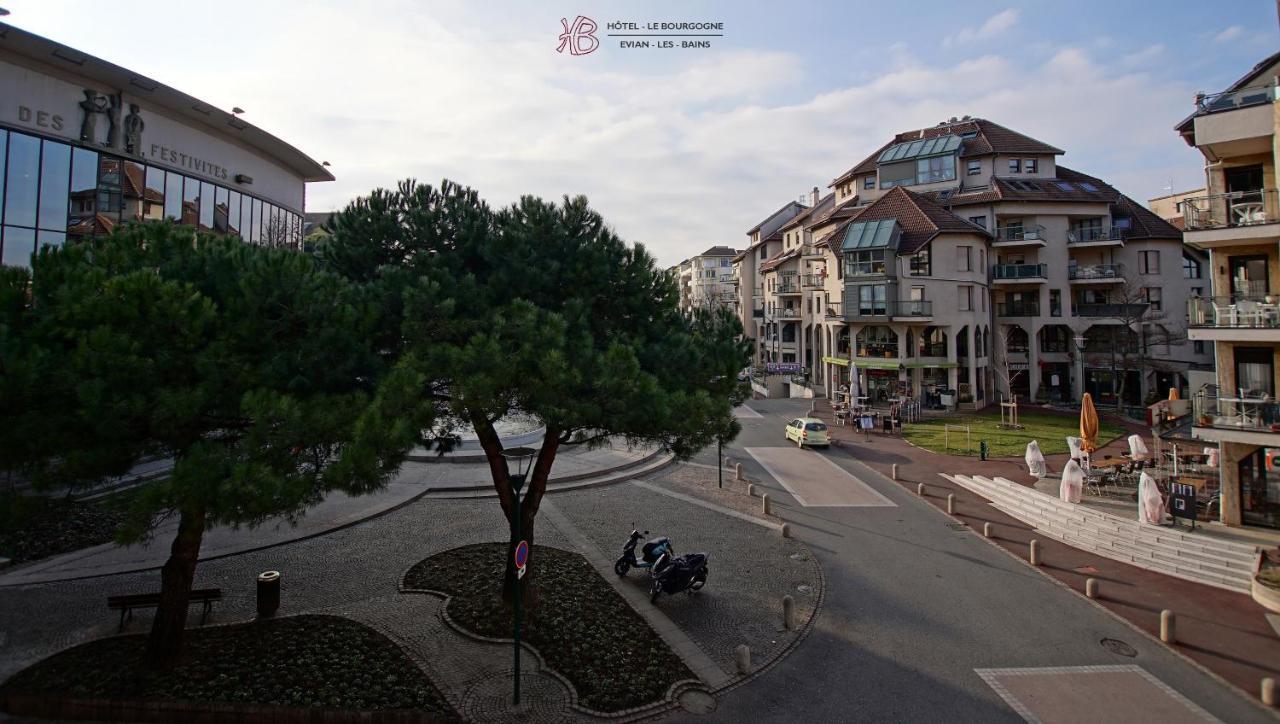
(126, 603)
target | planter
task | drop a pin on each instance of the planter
(1205, 421)
(1266, 596)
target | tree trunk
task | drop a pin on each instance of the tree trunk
(164, 644)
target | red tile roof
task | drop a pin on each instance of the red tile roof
(779, 259)
(920, 217)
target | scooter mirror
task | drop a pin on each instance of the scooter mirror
(646, 532)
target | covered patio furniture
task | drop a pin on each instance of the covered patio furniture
(1035, 461)
(1137, 448)
(1150, 503)
(1072, 482)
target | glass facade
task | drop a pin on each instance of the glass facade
(51, 191)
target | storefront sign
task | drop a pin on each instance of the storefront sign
(1182, 501)
(783, 368)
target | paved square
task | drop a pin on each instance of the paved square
(1091, 694)
(746, 413)
(816, 482)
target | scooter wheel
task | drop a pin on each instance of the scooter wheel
(621, 567)
(654, 591)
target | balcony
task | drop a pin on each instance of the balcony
(813, 281)
(728, 296)
(1095, 236)
(833, 310)
(1235, 123)
(729, 279)
(911, 309)
(1247, 419)
(1026, 235)
(877, 350)
(1112, 311)
(787, 285)
(1239, 216)
(812, 251)
(757, 313)
(1019, 273)
(757, 293)
(1018, 309)
(787, 314)
(933, 350)
(1096, 274)
(1234, 319)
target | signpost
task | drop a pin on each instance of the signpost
(1182, 502)
(521, 557)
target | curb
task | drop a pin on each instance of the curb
(604, 472)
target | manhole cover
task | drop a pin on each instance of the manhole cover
(957, 526)
(806, 590)
(697, 702)
(1119, 648)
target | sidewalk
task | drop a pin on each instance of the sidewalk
(1225, 632)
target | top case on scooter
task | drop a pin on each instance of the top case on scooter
(650, 550)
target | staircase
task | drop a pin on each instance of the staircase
(1194, 557)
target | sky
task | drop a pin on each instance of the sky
(680, 149)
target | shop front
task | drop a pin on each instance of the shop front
(1260, 488)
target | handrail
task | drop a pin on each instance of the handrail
(1237, 208)
(1020, 271)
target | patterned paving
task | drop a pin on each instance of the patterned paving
(1090, 694)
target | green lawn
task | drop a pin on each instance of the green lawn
(1050, 429)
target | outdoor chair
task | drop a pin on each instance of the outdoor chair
(1225, 313)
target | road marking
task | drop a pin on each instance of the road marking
(709, 506)
(1091, 693)
(816, 482)
(744, 412)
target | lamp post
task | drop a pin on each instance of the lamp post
(1079, 340)
(520, 458)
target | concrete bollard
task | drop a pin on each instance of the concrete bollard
(986, 530)
(764, 503)
(788, 613)
(893, 471)
(920, 489)
(1091, 587)
(785, 530)
(1168, 623)
(1035, 552)
(742, 655)
(737, 471)
(1270, 696)
(951, 503)
(751, 490)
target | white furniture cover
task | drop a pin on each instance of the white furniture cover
(1072, 482)
(1137, 448)
(1150, 504)
(1035, 460)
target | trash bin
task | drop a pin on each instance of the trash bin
(268, 593)
(982, 450)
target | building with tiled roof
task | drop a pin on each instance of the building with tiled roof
(1020, 261)
(707, 279)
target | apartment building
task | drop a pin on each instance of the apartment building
(707, 279)
(1081, 287)
(764, 242)
(1237, 221)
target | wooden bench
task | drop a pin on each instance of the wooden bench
(126, 603)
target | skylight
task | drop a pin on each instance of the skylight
(1065, 186)
(1088, 186)
(871, 235)
(919, 149)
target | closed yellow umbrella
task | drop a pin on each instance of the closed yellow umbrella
(1173, 393)
(1088, 424)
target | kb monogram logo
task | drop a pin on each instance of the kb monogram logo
(580, 37)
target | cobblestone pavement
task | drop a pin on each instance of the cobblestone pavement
(356, 572)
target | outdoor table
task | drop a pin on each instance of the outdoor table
(1112, 463)
(1246, 418)
(1198, 483)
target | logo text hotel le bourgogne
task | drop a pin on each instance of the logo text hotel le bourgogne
(579, 37)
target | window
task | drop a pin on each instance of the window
(919, 265)
(933, 170)
(84, 192)
(1149, 262)
(1152, 296)
(982, 260)
(1087, 186)
(20, 185)
(917, 294)
(54, 177)
(964, 258)
(869, 182)
(1198, 347)
(1122, 222)
(966, 298)
(1030, 165)
(1190, 268)
(864, 262)
(973, 168)
(1015, 165)
(173, 195)
(1055, 303)
(871, 300)
(979, 221)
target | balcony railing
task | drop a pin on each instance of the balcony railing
(1054, 346)
(1027, 232)
(1117, 311)
(728, 296)
(1092, 235)
(1019, 271)
(787, 314)
(757, 313)
(757, 292)
(1261, 311)
(833, 309)
(1256, 413)
(911, 308)
(728, 279)
(787, 286)
(933, 350)
(1095, 271)
(813, 281)
(878, 350)
(1238, 208)
(1231, 100)
(1018, 309)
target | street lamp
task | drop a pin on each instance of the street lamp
(1079, 340)
(519, 459)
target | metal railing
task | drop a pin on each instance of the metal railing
(1118, 311)
(728, 279)
(1095, 271)
(1095, 234)
(1260, 311)
(1238, 208)
(878, 350)
(911, 308)
(1231, 100)
(1055, 347)
(1019, 271)
(1248, 412)
(787, 314)
(813, 280)
(1018, 309)
(933, 350)
(833, 309)
(790, 287)
(1026, 232)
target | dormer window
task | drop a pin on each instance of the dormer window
(1015, 165)
(869, 182)
(1030, 165)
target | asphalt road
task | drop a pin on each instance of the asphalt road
(913, 607)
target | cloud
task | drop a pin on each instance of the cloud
(993, 26)
(1141, 57)
(1230, 33)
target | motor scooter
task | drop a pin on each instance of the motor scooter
(672, 575)
(648, 554)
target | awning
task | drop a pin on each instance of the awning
(836, 361)
(920, 149)
(875, 364)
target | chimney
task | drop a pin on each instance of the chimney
(815, 188)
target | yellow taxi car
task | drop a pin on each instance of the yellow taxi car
(808, 431)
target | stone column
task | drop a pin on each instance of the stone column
(1229, 456)
(1033, 361)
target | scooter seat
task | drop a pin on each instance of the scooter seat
(650, 548)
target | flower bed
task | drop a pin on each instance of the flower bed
(581, 626)
(300, 661)
(35, 526)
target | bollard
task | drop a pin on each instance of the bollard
(986, 530)
(737, 471)
(785, 530)
(920, 490)
(1091, 587)
(268, 593)
(1270, 696)
(951, 503)
(788, 613)
(893, 471)
(751, 491)
(764, 503)
(1167, 625)
(743, 656)
(1035, 552)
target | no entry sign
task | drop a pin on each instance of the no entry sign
(522, 554)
